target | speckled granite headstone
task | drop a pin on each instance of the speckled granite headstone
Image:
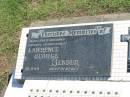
(75, 51)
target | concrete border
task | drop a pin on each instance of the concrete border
(83, 19)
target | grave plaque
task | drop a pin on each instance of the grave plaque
(72, 51)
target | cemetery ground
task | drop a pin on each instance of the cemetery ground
(16, 14)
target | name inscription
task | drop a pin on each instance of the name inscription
(99, 30)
